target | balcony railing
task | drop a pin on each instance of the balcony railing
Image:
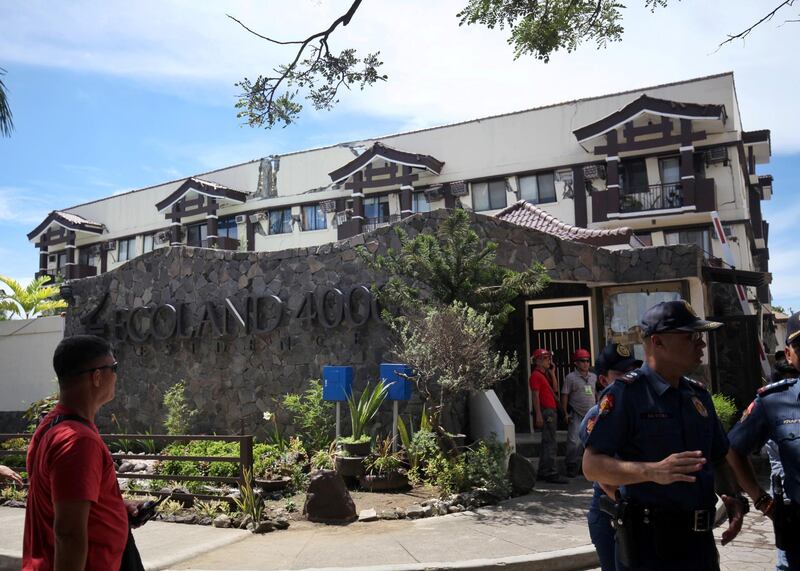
(373, 223)
(654, 197)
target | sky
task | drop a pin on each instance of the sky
(111, 96)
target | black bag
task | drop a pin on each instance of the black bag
(131, 560)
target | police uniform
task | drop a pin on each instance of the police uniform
(775, 415)
(642, 418)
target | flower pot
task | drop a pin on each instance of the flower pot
(353, 449)
(384, 482)
(350, 466)
(270, 485)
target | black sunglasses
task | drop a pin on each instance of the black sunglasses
(113, 366)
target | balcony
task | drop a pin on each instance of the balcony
(380, 221)
(79, 271)
(654, 197)
(223, 243)
(612, 204)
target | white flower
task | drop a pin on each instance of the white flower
(268, 416)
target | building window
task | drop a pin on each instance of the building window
(227, 228)
(643, 239)
(376, 208)
(538, 188)
(633, 176)
(280, 221)
(314, 218)
(89, 256)
(196, 234)
(126, 249)
(697, 236)
(419, 203)
(61, 262)
(489, 195)
(670, 170)
(148, 243)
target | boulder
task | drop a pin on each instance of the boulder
(415, 511)
(521, 473)
(264, 527)
(222, 520)
(327, 499)
(368, 515)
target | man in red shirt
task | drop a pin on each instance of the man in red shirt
(76, 517)
(545, 415)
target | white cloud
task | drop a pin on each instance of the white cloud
(21, 206)
(439, 72)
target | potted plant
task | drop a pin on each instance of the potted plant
(383, 469)
(354, 448)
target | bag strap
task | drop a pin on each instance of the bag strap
(58, 419)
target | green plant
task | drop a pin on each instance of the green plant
(726, 409)
(17, 445)
(312, 416)
(298, 478)
(447, 474)
(179, 414)
(148, 445)
(290, 506)
(38, 410)
(273, 463)
(248, 502)
(121, 444)
(382, 460)
(27, 302)
(407, 435)
(198, 468)
(363, 410)
(170, 507)
(324, 459)
(486, 468)
(423, 449)
(12, 493)
(275, 437)
(210, 508)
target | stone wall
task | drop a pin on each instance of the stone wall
(232, 376)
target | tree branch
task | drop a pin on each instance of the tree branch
(744, 33)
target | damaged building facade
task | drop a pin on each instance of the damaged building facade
(223, 279)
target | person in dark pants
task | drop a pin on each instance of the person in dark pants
(545, 415)
(614, 361)
(775, 415)
(657, 436)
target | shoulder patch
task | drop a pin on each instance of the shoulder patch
(776, 387)
(630, 377)
(696, 384)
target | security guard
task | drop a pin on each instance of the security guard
(775, 415)
(614, 361)
(656, 436)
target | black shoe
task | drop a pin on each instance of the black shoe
(555, 480)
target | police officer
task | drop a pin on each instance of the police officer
(656, 436)
(775, 415)
(614, 361)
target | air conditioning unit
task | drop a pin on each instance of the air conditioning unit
(717, 155)
(594, 171)
(111, 245)
(327, 206)
(241, 218)
(162, 237)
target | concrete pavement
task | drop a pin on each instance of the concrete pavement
(545, 530)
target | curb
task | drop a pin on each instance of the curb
(573, 559)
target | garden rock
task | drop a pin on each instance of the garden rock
(327, 499)
(521, 473)
(415, 511)
(14, 504)
(368, 515)
(389, 514)
(281, 523)
(264, 527)
(455, 509)
(125, 467)
(427, 511)
(245, 522)
(222, 520)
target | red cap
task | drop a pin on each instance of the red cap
(539, 353)
(581, 354)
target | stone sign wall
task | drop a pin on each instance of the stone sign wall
(243, 329)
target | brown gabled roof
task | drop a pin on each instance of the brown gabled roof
(205, 187)
(760, 136)
(69, 221)
(379, 150)
(647, 104)
(525, 214)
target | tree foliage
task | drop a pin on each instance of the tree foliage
(538, 28)
(454, 265)
(6, 123)
(31, 301)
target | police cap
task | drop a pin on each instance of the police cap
(793, 329)
(615, 357)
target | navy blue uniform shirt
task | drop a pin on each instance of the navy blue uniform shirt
(774, 415)
(643, 419)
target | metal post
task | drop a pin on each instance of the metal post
(395, 408)
(338, 419)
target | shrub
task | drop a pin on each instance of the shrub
(312, 416)
(179, 414)
(486, 468)
(211, 508)
(12, 493)
(38, 409)
(363, 410)
(198, 468)
(726, 409)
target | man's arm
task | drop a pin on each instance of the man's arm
(71, 529)
(565, 404)
(609, 470)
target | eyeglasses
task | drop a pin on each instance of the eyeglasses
(113, 366)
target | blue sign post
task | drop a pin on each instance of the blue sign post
(395, 375)
(337, 385)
